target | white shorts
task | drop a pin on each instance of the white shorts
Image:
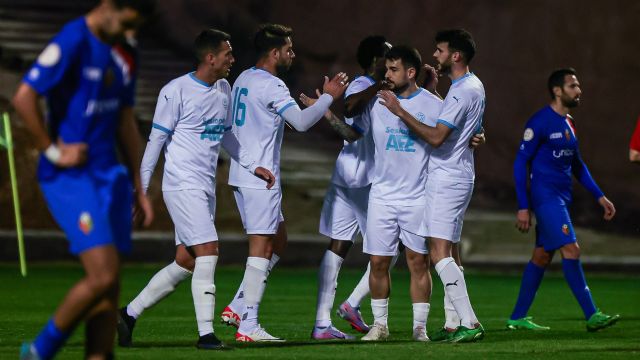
(446, 203)
(192, 213)
(389, 224)
(344, 212)
(260, 210)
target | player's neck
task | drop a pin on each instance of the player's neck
(408, 90)
(206, 76)
(458, 71)
(267, 66)
(94, 20)
(559, 108)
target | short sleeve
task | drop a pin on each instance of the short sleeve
(635, 138)
(225, 88)
(54, 61)
(167, 111)
(453, 110)
(277, 97)
(359, 84)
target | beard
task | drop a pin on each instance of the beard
(571, 103)
(444, 68)
(283, 68)
(398, 88)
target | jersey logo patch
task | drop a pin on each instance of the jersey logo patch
(528, 134)
(456, 99)
(420, 116)
(556, 135)
(85, 223)
(567, 135)
(565, 229)
(50, 55)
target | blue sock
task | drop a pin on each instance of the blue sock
(531, 280)
(50, 340)
(572, 269)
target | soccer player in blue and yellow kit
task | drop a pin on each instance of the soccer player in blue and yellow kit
(87, 80)
(550, 149)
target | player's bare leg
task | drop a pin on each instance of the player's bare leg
(100, 327)
(380, 285)
(420, 290)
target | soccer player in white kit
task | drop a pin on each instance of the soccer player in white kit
(396, 199)
(190, 123)
(451, 169)
(344, 208)
(261, 105)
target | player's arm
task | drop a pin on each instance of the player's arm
(347, 132)
(434, 136)
(529, 145)
(356, 103)
(303, 120)
(131, 147)
(582, 174)
(165, 118)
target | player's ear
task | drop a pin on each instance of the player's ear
(275, 53)
(411, 73)
(557, 91)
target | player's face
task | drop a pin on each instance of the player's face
(570, 95)
(443, 58)
(223, 60)
(397, 76)
(119, 21)
(285, 56)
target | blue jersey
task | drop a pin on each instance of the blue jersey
(86, 83)
(550, 147)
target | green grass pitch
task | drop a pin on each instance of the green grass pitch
(168, 331)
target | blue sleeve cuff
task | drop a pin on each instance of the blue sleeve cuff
(447, 124)
(286, 107)
(162, 128)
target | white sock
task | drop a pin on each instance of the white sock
(161, 284)
(237, 303)
(327, 284)
(420, 314)
(380, 309)
(204, 292)
(255, 277)
(452, 320)
(451, 275)
(361, 290)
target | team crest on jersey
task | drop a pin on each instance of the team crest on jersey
(50, 56)
(565, 229)
(420, 116)
(85, 223)
(528, 134)
(567, 134)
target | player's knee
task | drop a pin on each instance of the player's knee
(103, 282)
(379, 265)
(186, 262)
(542, 259)
(340, 247)
(570, 251)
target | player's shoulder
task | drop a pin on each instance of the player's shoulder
(175, 85)
(427, 96)
(72, 33)
(223, 84)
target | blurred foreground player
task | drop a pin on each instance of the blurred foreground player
(550, 149)
(87, 84)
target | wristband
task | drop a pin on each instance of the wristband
(52, 153)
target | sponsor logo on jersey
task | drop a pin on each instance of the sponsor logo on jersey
(560, 153)
(528, 134)
(213, 129)
(85, 223)
(96, 107)
(92, 73)
(565, 229)
(555, 135)
(400, 140)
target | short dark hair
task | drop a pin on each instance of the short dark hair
(370, 48)
(271, 36)
(409, 56)
(556, 79)
(208, 41)
(144, 7)
(458, 40)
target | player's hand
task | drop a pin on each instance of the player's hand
(609, 209)
(308, 101)
(265, 175)
(523, 220)
(384, 85)
(142, 210)
(336, 86)
(71, 154)
(477, 140)
(389, 99)
(428, 78)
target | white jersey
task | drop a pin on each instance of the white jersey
(259, 99)
(401, 157)
(354, 166)
(462, 111)
(195, 117)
